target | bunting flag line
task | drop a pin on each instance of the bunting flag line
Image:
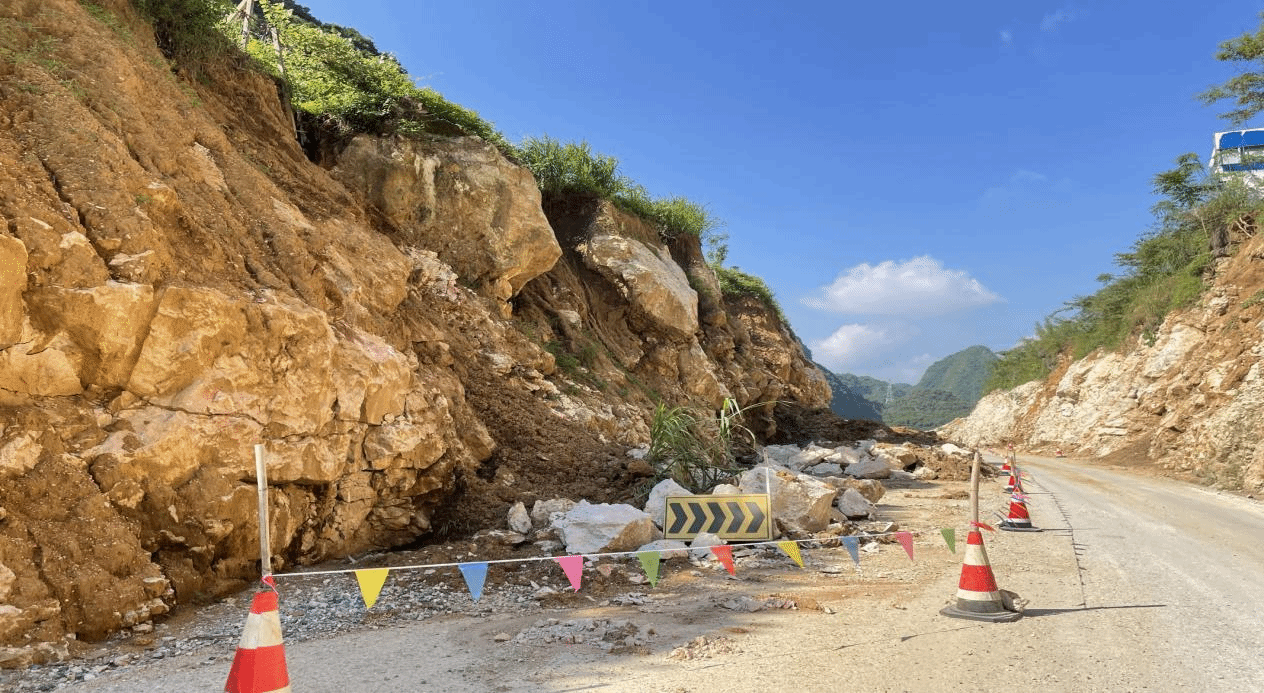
(906, 540)
(649, 563)
(853, 548)
(792, 550)
(724, 554)
(573, 566)
(371, 581)
(475, 575)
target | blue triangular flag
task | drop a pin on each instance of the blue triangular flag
(853, 548)
(475, 575)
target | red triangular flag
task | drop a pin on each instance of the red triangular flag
(724, 554)
(906, 540)
(573, 566)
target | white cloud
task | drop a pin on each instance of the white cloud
(855, 345)
(1007, 37)
(1053, 20)
(918, 287)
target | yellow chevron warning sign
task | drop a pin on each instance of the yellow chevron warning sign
(733, 518)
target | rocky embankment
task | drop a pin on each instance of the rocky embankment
(1191, 399)
(404, 327)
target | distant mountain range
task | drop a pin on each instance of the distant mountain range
(949, 389)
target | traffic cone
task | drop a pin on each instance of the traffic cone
(259, 666)
(978, 597)
(1019, 520)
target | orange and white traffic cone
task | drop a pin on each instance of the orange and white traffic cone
(259, 666)
(978, 597)
(1019, 520)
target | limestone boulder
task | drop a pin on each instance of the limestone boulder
(656, 504)
(798, 499)
(519, 519)
(854, 506)
(652, 283)
(543, 511)
(589, 528)
(460, 198)
(869, 468)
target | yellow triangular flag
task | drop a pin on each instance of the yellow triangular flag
(371, 581)
(792, 550)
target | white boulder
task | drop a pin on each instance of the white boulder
(589, 528)
(519, 519)
(798, 499)
(656, 504)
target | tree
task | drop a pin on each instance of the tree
(1247, 89)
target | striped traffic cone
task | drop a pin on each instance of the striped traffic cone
(1019, 520)
(978, 597)
(259, 666)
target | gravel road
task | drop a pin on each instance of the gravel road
(1135, 584)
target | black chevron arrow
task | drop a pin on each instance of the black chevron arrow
(757, 516)
(716, 510)
(735, 511)
(677, 518)
(698, 518)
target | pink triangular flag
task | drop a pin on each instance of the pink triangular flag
(724, 554)
(906, 540)
(573, 566)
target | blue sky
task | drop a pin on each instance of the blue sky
(910, 178)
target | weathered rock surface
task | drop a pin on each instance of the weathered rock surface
(593, 528)
(463, 200)
(854, 506)
(179, 282)
(656, 503)
(798, 500)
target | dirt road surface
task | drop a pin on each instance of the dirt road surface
(1136, 584)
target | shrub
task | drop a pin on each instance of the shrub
(571, 168)
(189, 32)
(696, 449)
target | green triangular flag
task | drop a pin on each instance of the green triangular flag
(950, 537)
(649, 563)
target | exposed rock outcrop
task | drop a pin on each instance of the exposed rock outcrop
(409, 335)
(1191, 399)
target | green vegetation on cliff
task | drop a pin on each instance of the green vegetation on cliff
(339, 79)
(1165, 270)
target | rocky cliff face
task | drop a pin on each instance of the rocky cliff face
(410, 335)
(1192, 400)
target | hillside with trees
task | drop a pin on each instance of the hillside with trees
(948, 389)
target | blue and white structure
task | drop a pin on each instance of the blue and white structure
(1239, 152)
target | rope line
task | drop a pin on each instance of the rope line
(531, 559)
